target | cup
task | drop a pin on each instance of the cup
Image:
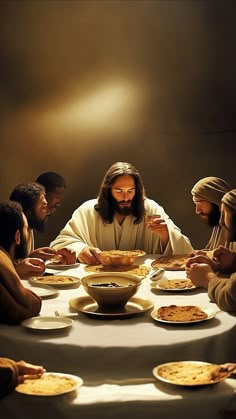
(149, 219)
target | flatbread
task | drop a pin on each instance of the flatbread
(54, 279)
(190, 373)
(175, 284)
(137, 270)
(171, 263)
(121, 253)
(181, 313)
(57, 260)
(47, 384)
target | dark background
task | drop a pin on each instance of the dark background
(86, 83)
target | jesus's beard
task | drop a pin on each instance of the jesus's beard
(123, 210)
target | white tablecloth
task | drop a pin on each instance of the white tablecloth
(150, 401)
(115, 358)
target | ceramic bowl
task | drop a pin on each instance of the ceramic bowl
(111, 290)
(120, 258)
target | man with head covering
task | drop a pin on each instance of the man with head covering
(201, 270)
(207, 194)
(116, 220)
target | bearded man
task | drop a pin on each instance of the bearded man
(16, 302)
(207, 194)
(205, 272)
(116, 220)
(32, 198)
(55, 188)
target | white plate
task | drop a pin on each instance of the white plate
(210, 314)
(59, 267)
(157, 285)
(43, 291)
(77, 383)
(54, 280)
(47, 323)
(180, 367)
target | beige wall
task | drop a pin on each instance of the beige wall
(88, 83)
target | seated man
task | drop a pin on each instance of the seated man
(201, 269)
(55, 187)
(32, 198)
(116, 220)
(16, 302)
(207, 194)
(12, 373)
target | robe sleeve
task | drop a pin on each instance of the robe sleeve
(178, 243)
(80, 231)
(17, 303)
(85, 229)
(222, 291)
(8, 375)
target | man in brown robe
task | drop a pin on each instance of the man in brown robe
(16, 302)
(207, 194)
(205, 272)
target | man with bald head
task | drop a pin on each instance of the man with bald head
(207, 194)
(201, 270)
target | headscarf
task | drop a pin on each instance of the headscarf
(230, 199)
(211, 189)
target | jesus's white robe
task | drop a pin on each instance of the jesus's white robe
(86, 228)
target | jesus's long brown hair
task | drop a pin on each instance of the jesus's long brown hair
(105, 205)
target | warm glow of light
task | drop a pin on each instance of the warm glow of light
(110, 107)
(97, 108)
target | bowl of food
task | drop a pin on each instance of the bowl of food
(119, 258)
(111, 290)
